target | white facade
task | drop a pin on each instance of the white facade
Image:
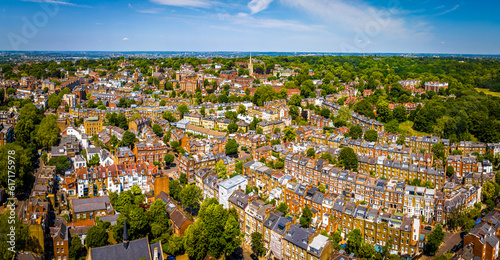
(419, 201)
(227, 187)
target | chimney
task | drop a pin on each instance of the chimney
(125, 235)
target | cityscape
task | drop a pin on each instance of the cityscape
(256, 129)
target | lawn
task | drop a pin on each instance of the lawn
(488, 92)
(111, 239)
(406, 128)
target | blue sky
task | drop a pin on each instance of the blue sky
(408, 26)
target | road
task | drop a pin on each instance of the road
(450, 240)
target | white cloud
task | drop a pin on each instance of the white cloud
(243, 19)
(450, 10)
(150, 11)
(258, 5)
(184, 3)
(57, 2)
(359, 16)
(125, 39)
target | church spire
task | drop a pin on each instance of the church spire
(125, 235)
(250, 66)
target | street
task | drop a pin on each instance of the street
(450, 240)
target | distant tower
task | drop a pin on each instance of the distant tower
(125, 235)
(250, 66)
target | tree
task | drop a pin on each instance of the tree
(434, 240)
(28, 118)
(344, 114)
(401, 139)
(383, 111)
(175, 246)
(322, 188)
(348, 158)
(450, 171)
(169, 158)
(327, 157)
(190, 196)
(183, 179)
(96, 236)
(128, 138)
(174, 145)
(214, 220)
(174, 189)
(365, 108)
(257, 244)
(167, 136)
(290, 134)
(355, 132)
(76, 250)
(157, 130)
(220, 169)
(48, 131)
(260, 130)
(489, 191)
(231, 147)
(400, 114)
(367, 251)
(167, 115)
(438, 150)
(371, 135)
(310, 152)
(232, 127)
(306, 217)
(242, 109)
(20, 236)
(53, 101)
(295, 100)
(196, 241)
(93, 161)
(392, 126)
(325, 112)
(183, 108)
(231, 235)
(354, 239)
(23, 166)
(282, 207)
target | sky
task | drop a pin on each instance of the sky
(361, 26)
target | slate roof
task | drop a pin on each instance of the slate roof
(136, 249)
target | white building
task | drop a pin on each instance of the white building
(227, 187)
(79, 162)
(419, 201)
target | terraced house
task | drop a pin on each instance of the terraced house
(382, 167)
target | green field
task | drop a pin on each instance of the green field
(406, 128)
(488, 92)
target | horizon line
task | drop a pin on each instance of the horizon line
(233, 51)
